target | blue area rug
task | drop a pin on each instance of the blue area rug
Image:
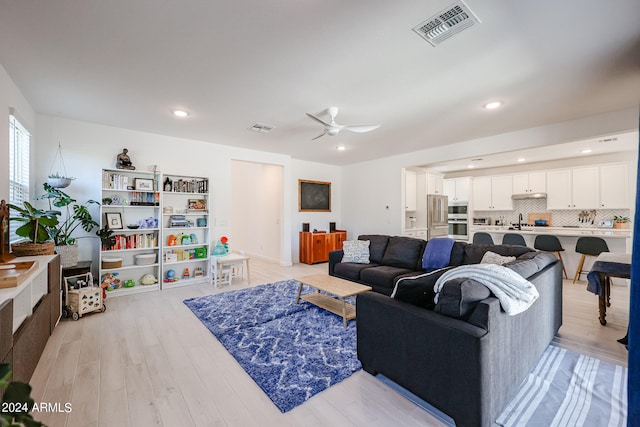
(292, 351)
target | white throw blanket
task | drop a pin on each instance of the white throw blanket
(516, 294)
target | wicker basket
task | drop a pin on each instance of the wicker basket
(31, 249)
(111, 262)
(68, 255)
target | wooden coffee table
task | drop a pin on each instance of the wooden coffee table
(335, 286)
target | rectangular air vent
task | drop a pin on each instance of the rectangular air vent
(446, 23)
(261, 128)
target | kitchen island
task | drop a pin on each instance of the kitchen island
(618, 240)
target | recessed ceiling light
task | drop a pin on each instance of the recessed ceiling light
(586, 151)
(180, 113)
(492, 105)
(341, 148)
(522, 159)
(471, 166)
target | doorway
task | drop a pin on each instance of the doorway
(257, 200)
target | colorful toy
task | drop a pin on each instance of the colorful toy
(194, 239)
(185, 240)
(225, 242)
(129, 283)
(185, 275)
(110, 281)
(148, 279)
(170, 276)
(172, 241)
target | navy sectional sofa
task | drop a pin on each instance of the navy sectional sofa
(467, 362)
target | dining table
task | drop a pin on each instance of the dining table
(606, 266)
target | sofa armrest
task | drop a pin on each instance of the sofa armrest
(440, 359)
(334, 258)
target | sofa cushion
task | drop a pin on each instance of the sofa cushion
(350, 270)
(457, 253)
(493, 258)
(356, 251)
(417, 289)
(459, 297)
(473, 253)
(530, 263)
(377, 246)
(404, 252)
(382, 276)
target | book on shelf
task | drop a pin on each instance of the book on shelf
(134, 241)
(191, 186)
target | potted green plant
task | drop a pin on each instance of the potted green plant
(106, 238)
(621, 221)
(16, 401)
(37, 225)
(76, 215)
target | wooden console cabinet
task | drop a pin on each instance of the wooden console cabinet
(28, 314)
(315, 247)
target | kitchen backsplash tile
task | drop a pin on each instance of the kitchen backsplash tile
(558, 218)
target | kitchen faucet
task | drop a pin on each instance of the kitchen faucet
(520, 221)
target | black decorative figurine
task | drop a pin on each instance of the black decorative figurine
(124, 162)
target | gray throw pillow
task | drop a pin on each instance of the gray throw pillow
(494, 258)
(356, 251)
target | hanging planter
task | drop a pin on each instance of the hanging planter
(57, 180)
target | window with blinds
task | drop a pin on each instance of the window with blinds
(19, 141)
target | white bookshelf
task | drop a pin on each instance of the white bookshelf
(134, 197)
(185, 213)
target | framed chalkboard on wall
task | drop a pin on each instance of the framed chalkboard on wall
(314, 196)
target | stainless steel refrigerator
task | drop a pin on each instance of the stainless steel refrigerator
(437, 216)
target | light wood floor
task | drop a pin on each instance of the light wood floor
(149, 361)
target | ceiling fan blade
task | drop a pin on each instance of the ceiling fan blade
(321, 135)
(361, 128)
(318, 120)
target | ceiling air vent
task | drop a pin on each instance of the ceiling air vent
(261, 128)
(446, 23)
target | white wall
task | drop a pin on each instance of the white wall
(11, 97)
(87, 148)
(257, 200)
(318, 220)
(372, 191)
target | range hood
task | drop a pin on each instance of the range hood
(523, 196)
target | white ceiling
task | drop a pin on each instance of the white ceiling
(128, 63)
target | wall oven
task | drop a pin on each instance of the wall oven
(458, 221)
(459, 229)
(458, 209)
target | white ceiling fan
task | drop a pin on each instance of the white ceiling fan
(333, 128)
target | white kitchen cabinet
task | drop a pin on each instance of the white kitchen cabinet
(435, 184)
(559, 189)
(457, 189)
(584, 183)
(614, 186)
(573, 188)
(534, 182)
(410, 187)
(492, 193)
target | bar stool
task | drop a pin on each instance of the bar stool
(588, 246)
(548, 243)
(482, 239)
(513, 239)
